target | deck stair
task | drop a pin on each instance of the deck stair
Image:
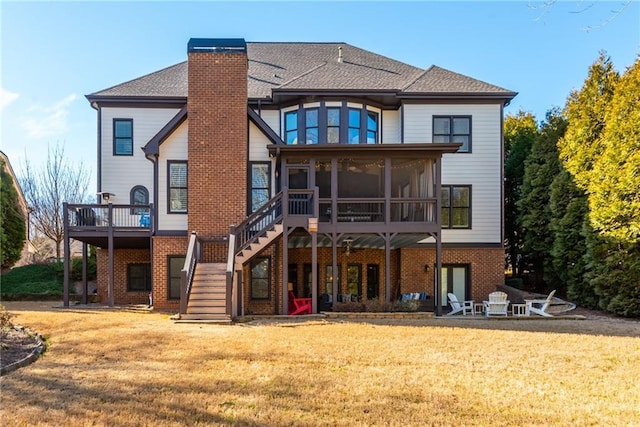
(207, 301)
(256, 247)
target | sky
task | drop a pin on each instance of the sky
(54, 53)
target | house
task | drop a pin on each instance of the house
(256, 169)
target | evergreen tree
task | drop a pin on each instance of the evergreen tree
(12, 221)
(541, 168)
(520, 131)
(585, 112)
(615, 186)
(568, 215)
(614, 200)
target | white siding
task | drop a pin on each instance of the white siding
(257, 144)
(272, 118)
(119, 174)
(175, 147)
(258, 152)
(391, 126)
(481, 168)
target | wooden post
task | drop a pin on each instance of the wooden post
(65, 286)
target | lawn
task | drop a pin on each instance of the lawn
(114, 367)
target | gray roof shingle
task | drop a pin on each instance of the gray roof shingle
(314, 67)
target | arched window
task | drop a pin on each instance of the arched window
(139, 196)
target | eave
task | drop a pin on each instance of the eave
(392, 150)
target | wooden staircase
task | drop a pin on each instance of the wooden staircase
(208, 300)
(250, 251)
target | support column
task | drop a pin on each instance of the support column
(85, 285)
(387, 267)
(334, 270)
(314, 272)
(110, 243)
(285, 270)
(67, 245)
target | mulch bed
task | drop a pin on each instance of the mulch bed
(16, 345)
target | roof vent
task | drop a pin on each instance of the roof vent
(340, 54)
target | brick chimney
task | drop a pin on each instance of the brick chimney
(218, 134)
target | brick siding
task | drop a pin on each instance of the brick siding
(163, 247)
(218, 138)
(121, 258)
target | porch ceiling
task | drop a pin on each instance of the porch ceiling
(302, 239)
(127, 242)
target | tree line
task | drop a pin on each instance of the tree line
(572, 193)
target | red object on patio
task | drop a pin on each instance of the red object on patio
(299, 305)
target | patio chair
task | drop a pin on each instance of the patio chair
(299, 305)
(497, 305)
(460, 306)
(540, 306)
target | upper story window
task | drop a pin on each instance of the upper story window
(331, 123)
(139, 196)
(456, 206)
(453, 129)
(123, 137)
(291, 127)
(177, 186)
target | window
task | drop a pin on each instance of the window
(354, 126)
(139, 196)
(291, 127)
(175, 271)
(177, 186)
(333, 125)
(329, 278)
(260, 278)
(139, 277)
(372, 127)
(322, 124)
(456, 206)
(123, 137)
(260, 185)
(354, 285)
(453, 129)
(311, 126)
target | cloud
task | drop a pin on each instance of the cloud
(48, 121)
(6, 98)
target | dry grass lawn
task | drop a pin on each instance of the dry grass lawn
(108, 367)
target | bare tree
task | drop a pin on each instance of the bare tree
(47, 188)
(616, 8)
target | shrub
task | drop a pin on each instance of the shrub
(5, 318)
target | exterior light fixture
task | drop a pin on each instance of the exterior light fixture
(106, 196)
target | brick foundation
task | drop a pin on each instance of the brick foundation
(121, 257)
(163, 247)
(486, 272)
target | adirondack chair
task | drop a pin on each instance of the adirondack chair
(497, 305)
(458, 306)
(539, 306)
(299, 305)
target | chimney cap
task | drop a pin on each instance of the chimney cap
(217, 45)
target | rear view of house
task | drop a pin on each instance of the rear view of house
(253, 173)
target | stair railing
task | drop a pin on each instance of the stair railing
(187, 272)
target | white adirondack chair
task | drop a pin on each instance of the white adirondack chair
(457, 306)
(498, 304)
(540, 306)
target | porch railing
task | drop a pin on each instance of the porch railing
(374, 210)
(95, 216)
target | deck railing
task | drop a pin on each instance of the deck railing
(374, 210)
(96, 216)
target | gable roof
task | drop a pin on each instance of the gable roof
(315, 67)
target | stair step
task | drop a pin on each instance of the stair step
(206, 304)
(204, 318)
(207, 310)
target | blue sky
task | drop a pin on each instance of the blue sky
(54, 53)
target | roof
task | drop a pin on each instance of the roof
(310, 67)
